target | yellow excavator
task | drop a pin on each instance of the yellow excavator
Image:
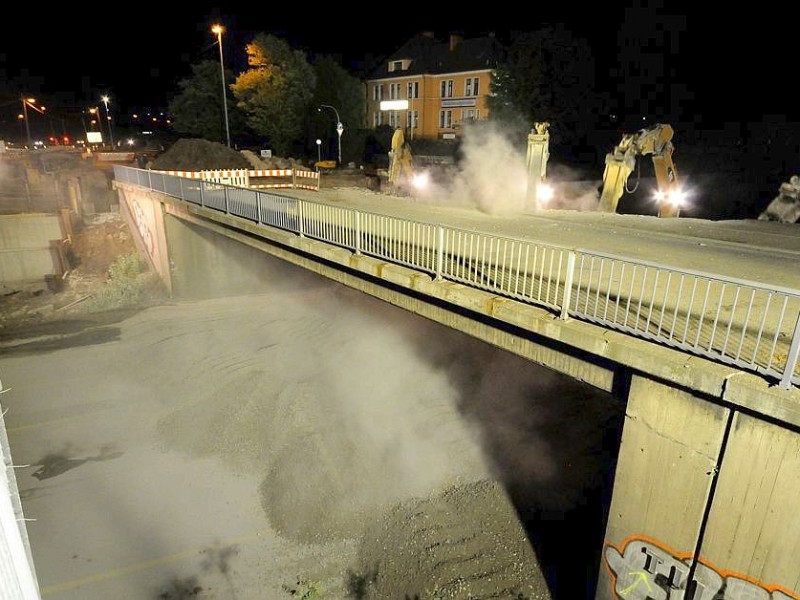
(655, 141)
(401, 174)
(538, 193)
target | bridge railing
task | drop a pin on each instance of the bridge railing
(753, 326)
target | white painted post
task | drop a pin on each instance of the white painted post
(358, 232)
(439, 252)
(300, 218)
(791, 358)
(568, 285)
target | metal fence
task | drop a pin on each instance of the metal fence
(752, 326)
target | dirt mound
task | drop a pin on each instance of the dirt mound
(461, 543)
(199, 155)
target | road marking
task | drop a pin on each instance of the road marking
(140, 566)
(59, 420)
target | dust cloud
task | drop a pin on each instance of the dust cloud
(492, 177)
(347, 405)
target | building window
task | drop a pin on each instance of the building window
(394, 91)
(376, 118)
(446, 88)
(471, 86)
(412, 119)
(470, 114)
(377, 92)
(412, 90)
(394, 118)
(396, 65)
(445, 119)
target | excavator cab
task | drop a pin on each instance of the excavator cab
(655, 141)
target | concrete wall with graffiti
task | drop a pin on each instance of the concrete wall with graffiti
(643, 569)
(704, 504)
(145, 215)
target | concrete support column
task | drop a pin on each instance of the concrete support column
(752, 541)
(671, 445)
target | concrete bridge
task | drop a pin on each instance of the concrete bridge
(698, 333)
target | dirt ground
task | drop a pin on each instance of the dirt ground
(429, 541)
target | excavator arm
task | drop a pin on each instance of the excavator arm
(655, 141)
(401, 169)
(536, 161)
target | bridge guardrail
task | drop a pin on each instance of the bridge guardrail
(750, 325)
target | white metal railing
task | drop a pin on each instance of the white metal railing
(753, 326)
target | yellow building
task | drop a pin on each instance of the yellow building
(431, 87)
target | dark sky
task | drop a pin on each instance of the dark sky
(729, 63)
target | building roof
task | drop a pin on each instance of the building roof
(430, 56)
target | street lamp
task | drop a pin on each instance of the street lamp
(26, 102)
(339, 127)
(108, 118)
(218, 29)
(95, 112)
(319, 150)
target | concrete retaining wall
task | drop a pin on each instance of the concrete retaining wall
(26, 248)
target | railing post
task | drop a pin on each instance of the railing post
(202, 195)
(791, 358)
(180, 185)
(568, 285)
(225, 193)
(358, 232)
(150, 178)
(258, 208)
(300, 218)
(294, 179)
(439, 252)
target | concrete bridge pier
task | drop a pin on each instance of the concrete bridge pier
(704, 503)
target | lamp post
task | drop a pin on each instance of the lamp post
(25, 117)
(339, 127)
(218, 29)
(95, 112)
(108, 118)
(26, 102)
(319, 150)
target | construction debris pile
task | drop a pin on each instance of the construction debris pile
(199, 155)
(785, 208)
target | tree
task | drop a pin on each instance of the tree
(548, 75)
(275, 92)
(336, 87)
(197, 108)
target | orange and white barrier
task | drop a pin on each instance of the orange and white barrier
(297, 178)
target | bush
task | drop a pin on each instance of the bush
(129, 283)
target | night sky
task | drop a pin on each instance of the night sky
(731, 64)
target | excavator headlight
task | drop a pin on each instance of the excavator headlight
(675, 197)
(544, 193)
(421, 180)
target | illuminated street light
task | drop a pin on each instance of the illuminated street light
(95, 112)
(26, 102)
(218, 29)
(319, 150)
(108, 118)
(339, 127)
